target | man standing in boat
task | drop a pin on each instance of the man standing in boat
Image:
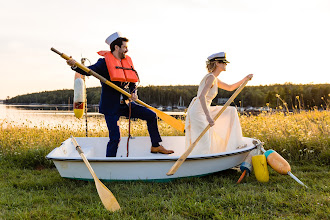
(118, 68)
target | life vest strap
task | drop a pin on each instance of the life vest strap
(125, 68)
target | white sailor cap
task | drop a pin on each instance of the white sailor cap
(113, 37)
(221, 56)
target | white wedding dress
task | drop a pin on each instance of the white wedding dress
(225, 135)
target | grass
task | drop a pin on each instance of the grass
(298, 137)
(43, 194)
(31, 188)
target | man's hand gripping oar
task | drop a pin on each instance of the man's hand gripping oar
(184, 156)
(165, 117)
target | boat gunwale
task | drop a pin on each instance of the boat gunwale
(148, 159)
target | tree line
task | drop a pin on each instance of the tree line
(305, 96)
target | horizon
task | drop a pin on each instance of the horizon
(286, 83)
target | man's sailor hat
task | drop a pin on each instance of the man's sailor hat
(113, 37)
(218, 57)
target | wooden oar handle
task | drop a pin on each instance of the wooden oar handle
(63, 55)
(56, 51)
(75, 143)
(78, 148)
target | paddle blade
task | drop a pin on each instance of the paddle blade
(175, 123)
(108, 199)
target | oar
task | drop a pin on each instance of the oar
(184, 156)
(165, 117)
(108, 199)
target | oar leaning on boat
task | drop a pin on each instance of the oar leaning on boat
(108, 199)
(184, 156)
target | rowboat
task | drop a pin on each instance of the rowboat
(140, 163)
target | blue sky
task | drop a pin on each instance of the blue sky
(278, 41)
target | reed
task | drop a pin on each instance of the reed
(302, 137)
(299, 136)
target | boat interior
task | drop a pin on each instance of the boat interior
(139, 147)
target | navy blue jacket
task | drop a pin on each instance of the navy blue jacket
(110, 98)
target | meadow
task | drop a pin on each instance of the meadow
(31, 187)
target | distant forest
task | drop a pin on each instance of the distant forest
(296, 96)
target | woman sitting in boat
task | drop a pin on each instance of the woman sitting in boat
(225, 133)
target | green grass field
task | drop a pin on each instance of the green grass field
(31, 187)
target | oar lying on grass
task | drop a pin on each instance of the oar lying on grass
(108, 199)
(165, 117)
(184, 156)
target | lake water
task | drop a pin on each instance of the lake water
(30, 116)
(24, 116)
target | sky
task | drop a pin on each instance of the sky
(278, 41)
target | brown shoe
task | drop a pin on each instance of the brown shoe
(161, 150)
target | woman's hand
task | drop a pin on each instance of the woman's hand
(249, 77)
(210, 120)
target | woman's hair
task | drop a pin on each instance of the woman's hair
(211, 65)
(119, 41)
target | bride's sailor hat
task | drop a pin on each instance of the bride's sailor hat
(221, 56)
(113, 37)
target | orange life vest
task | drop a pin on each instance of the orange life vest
(122, 71)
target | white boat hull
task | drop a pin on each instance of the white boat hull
(141, 164)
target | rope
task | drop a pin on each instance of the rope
(83, 63)
(129, 124)
(130, 104)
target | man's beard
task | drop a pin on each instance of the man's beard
(122, 55)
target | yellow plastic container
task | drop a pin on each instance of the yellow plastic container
(260, 168)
